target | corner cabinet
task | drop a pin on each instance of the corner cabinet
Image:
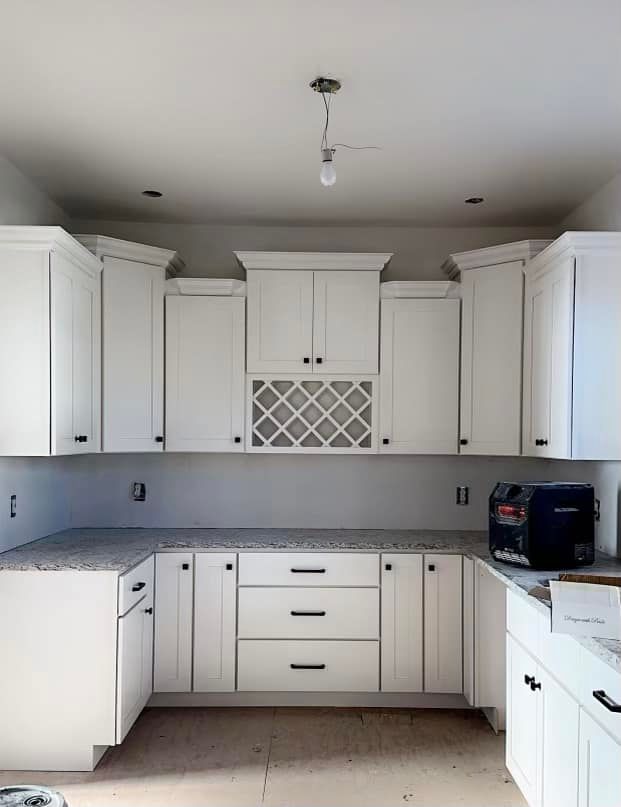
(572, 343)
(133, 282)
(311, 312)
(50, 335)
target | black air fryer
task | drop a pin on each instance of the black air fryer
(544, 525)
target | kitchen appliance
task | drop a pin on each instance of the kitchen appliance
(544, 525)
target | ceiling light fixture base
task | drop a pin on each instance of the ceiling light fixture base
(325, 85)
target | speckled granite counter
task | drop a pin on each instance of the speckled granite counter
(120, 549)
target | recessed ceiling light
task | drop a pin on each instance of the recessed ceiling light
(152, 194)
(474, 200)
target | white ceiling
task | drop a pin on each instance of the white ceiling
(518, 101)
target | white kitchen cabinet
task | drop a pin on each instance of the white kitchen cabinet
(402, 623)
(443, 626)
(523, 721)
(205, 373)
(419, 378)
(174, 607)
(215, 618)
(558, 743)
(133, 281)
(599, 771)
(135, 664)
(572, 339)
(312, 312)
(49, 343)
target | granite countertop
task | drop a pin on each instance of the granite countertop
(118, 550)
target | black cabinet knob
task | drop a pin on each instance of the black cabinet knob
(535, 685)
(388, 567)
(237, 440)
(544, 442)
(306, 360)
(319, 361)
(80, 438)
(148, 610)
(185, 566)
(229, 567)
(529, 680)
(431, 567)
(463, 442)
(159, 439)
(385, 441)
(138, 586)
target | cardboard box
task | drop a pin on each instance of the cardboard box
(586, 609)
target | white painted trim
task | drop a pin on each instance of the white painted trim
(341, 261)
(390, 700)
(459, 262)
(396, 289)
(103, 246)
(206, 286)
(574, 243)
(50, 239)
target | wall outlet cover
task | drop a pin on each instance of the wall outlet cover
(139, 491)
(462, 495)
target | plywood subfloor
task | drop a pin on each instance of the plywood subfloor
(296, 757)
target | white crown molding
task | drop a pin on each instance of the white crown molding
(574, 243)
(402, 289)
(344, 261)
(105, 247)
(50, 239)
(206, 286)
(460, 262)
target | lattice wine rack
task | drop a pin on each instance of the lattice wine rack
(301, 414)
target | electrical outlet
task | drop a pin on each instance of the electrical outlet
(462, 496)
(13, 505)
(139, 491)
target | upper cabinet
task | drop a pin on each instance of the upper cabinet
(492, 293)
(312, 312)
(419, 378)
(133, 283)
(572, 349)
(50, 343)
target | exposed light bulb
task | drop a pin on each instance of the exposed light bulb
(327, 174)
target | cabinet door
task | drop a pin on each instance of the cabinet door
(133, 356)
(204, 373)
(214, 622)
(491, 360)
(599, 771)
(402, 623)
(443, 623)
(134, 665)
(280, 321)
(558, 766)
(75, 362)
(174, 591)
(346, 322)
(419, 378)
(523, 721)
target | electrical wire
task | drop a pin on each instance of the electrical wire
(356, 148)
(324, 137)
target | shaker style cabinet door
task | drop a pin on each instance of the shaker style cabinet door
(402, 623)
(205, 373)
(215, 618)
(133, 356)
(135, 665)
(558, 775)
(174, 593)
(491, 360)
(346, 322)
(280, 321)
(443, 631)
(419, 377)
(599, 772)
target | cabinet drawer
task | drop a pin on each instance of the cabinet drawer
(307, 666)
(135, 584)
(596, 676)
(308, 569)
(308, 613)
(523, 622)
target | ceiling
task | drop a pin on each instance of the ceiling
(208, 102)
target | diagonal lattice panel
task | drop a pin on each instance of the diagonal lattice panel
(302, 414)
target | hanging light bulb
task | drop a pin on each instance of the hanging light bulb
(327, 174)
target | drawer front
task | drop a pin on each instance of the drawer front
(307, 666)
(308, 613)
(596, 676)
(308, 569)
(523, 622)
(135, 584)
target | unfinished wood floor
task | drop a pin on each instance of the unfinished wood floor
(296, 758)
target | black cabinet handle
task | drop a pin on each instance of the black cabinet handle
(388, 567)
(306, 360)
(385, 441)
(544, 442)
(308, 613)
(319, 360)
(237, 440)
(159, 439)
(308, 571)
(601, 696)
(535, 685)
(80, 438)
(185, 566)
(463, 442)
(148, 610)
(138, 586)
(229, 567)
(431, 567)
(308, 666)
(529, 680)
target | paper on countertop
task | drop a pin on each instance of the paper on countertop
(586, 609)
(585, 594)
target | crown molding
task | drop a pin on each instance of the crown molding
(523, 251)
(343, 261)
(403, 289)
(50, 239)
(206, 286)
(573, 243)
(105, 247)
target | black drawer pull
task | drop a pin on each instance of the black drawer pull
(308, 613)
(308, 571)
(308, 666)
(138, 586)
(607, 701)
(529, 680)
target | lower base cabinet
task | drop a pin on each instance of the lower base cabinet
(135, 664)
(523, 721)
(599, 771)
(443, 627)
